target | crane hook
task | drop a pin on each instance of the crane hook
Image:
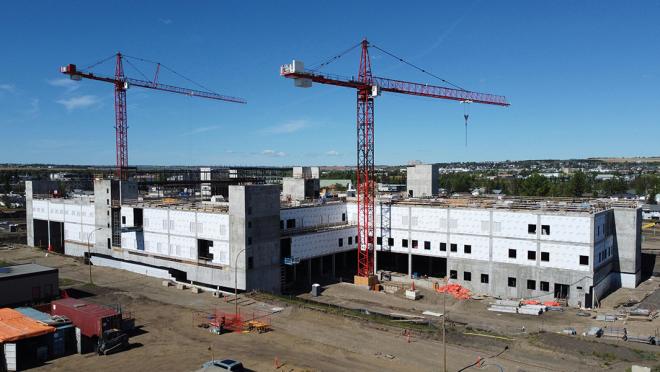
(466, 116)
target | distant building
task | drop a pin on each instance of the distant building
(651, 212)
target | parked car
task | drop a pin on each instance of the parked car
(225, 364)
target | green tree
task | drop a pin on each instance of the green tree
(577, 185)
(535, 185)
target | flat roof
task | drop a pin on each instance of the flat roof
(15, 326)
(16, 271)
(529, 204)
(40, 316)
(81, 306)
(175, 204)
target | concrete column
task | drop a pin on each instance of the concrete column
(309, 270)
(334, 273)
(410, 265)
(375, 261)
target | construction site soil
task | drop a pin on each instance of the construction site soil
(333, 332)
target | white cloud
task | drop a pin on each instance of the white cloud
(34, 107)
(165, 21)
(202, 130)
(273, 153)
(291, 126)
(68, 84)
(79, 102)
(10, 88)
(333, 153)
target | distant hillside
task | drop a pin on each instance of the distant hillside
(650, 159)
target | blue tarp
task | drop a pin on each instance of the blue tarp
(43, 317)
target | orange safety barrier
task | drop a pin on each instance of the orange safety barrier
(551, 303)
(531, 302)
(456, 290)
(15, 326)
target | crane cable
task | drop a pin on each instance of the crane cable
(466, 116)
(318, 66)
(172, 71)
(98, 63)
(418, 68)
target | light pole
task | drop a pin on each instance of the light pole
(89, 253)
(444, 316)
(236, 281)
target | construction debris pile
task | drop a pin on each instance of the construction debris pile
(456, 290)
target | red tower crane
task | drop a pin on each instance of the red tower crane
(122, 83)
(368, 87)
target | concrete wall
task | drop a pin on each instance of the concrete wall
(628, 244)
(175, 233)
(422, 180)
(34, 188)
(318, 215)
(323, 243)
(300, 188)
(102, 209)
(490, 234)
(499, 274)
(254, 218)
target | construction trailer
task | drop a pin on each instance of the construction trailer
(24, 342)
(28, 284)
(90, 319)
(61, 342)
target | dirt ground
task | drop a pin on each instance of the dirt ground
(304, 339)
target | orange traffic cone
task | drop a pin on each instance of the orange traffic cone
(412, 288)
(50, 248)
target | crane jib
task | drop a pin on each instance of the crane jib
(403, 87)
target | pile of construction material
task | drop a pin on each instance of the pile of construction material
(517, 307)
(456, 290)
(642, 314)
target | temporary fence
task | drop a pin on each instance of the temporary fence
(220, 322)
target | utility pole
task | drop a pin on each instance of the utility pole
(444, 316)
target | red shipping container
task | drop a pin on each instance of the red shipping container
(92, 319)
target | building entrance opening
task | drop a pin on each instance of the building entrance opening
(435, 267)
(561, 290)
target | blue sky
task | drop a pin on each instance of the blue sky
(583, 79)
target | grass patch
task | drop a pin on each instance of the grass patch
(4, 263)
(428, 328)
(66, 282)
(645, 355)
(608, 358)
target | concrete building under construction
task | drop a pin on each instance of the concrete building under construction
(578, 250)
